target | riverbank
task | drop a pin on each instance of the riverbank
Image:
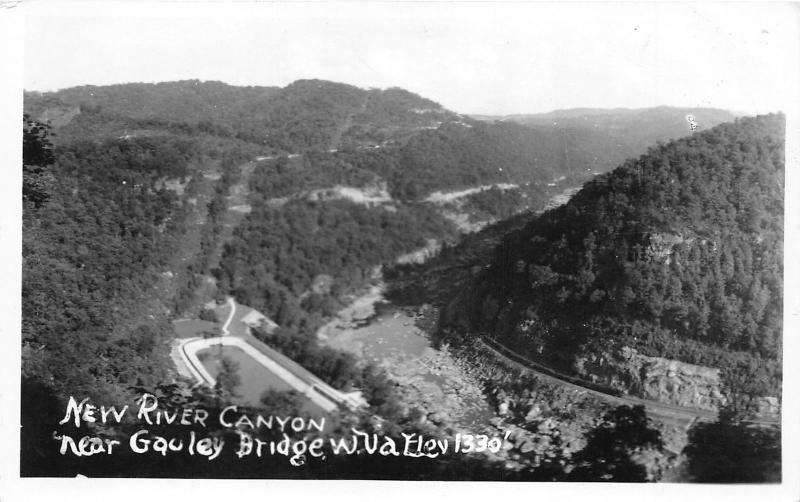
(430, 380)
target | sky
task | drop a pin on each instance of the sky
(478, 57)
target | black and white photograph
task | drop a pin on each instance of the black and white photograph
(400, 244)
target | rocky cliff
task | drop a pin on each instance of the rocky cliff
(659, 379)
(654, 378)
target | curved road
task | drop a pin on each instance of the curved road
(661, 410)
(225, 326)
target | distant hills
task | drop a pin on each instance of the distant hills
(304, 114)
(326, 115)
(633, 129)
(189, 101)
(412, 144)
(368, 138)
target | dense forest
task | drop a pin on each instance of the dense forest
(306, 114)
(128, 193)
(677, 254)
(98, 233)
(100, 227)
(454, 156)
(294, 263)
(421, 146)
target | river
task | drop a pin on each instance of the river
(379, 332)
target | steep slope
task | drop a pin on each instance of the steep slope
(677, 254)
(97, 237)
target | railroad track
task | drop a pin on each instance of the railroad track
(654, 408)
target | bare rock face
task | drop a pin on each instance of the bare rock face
(534, 413)
(322, 284)
(654, 378)
(768, 406)
(438, 417)
(502, 407)
(527, 446)
(661, 246)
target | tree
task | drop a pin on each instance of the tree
(610, 447)
(211, 333)
(228, 378)
(731, 452)
(279, 403)
(208, 315)
(743, 383)
(37, 154)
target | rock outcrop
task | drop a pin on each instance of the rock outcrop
(655, 378)
(663, 380)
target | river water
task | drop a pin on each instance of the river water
(379, 332)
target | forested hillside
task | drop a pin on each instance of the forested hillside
(189, 101)
(297, 261)
(476, 154)
(677, 254)
(305, 114)
(411, 142)
(100, 212)
(145, 202)
(99, 229)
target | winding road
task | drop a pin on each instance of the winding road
(227, 324)
(654, 408)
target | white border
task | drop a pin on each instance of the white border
(13, 488)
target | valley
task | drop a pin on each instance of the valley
(370, 256)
